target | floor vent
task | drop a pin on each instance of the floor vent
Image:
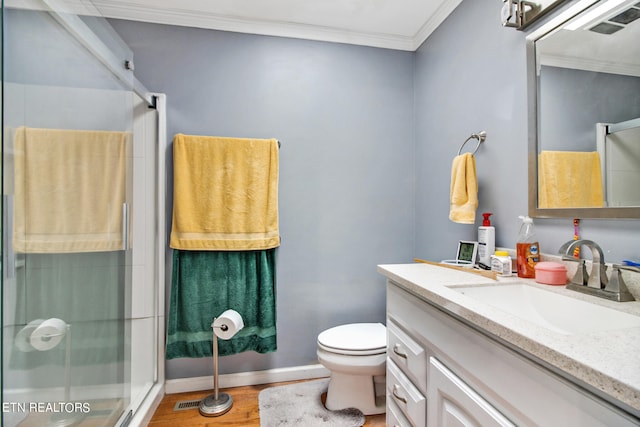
(183, 405)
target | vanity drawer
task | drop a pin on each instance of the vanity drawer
(395, 417)
(410, 356)
(403, 393)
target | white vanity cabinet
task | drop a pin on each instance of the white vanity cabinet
(455, 404)
(441, 372)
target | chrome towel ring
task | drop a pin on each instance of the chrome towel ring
(480, 136)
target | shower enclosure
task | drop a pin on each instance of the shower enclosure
(82, 224)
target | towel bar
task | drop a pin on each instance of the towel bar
(480, 136)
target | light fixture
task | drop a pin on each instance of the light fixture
(518, 13)
(593, 14)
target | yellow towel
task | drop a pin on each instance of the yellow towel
(225, 193)
(464, 189)
(569, 179)
(69, 189)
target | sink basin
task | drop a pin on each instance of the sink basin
(549, 310)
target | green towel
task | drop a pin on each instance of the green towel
(83, 289)
(206, 283)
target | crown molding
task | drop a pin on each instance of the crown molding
(589, 64)
(118, 9)
(434, 21)
(175, 16)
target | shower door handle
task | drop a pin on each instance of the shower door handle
(125, 226)
(9, 255)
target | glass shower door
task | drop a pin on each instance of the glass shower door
(70, 251)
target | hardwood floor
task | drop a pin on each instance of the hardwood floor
(245, 411)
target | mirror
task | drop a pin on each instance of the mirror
(584, 112)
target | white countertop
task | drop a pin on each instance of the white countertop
(607, 362)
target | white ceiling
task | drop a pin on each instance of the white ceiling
(394, 24)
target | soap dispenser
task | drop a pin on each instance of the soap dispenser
(486, 241)
(527, 249)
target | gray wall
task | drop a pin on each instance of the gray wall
(470, 76)
(368, 138)
(572, 101)
(344, 117)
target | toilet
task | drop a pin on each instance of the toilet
(356, 356)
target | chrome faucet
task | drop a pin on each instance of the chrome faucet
(595, 282)
(597, 279)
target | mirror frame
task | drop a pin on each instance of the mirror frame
(572, 9)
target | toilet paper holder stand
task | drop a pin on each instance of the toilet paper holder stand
(218, 403)
(64, 419)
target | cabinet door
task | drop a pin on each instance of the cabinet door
(452, 403)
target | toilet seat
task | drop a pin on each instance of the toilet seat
(358, 339)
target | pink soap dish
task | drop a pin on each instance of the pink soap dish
(551, 273)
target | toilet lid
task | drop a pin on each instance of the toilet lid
(356, 337)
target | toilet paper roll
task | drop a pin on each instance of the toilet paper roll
(23, 337)
(227, 324)
(48, 334)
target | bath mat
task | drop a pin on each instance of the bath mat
(300, 404)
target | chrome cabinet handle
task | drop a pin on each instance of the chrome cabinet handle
(396, 387)
(396, 350)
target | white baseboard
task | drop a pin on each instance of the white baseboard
(183, 385)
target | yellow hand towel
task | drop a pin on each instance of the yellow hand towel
(464, 189)
(569, 179)
(225, 193)
(69, 189)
